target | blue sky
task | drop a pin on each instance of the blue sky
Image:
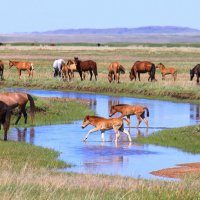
(43, 15)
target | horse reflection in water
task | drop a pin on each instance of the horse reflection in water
(195, 112)
(22, 135)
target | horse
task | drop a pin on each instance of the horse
(19, 99)
(5, 116)
(165, 71)
(114, 71)
(65, 72)
(57, 67)
(72, 68)
(143, 67)
(22, 66)
(195, 70)
(1, 69)
(128, 110)
(84, 66)
(103, 124)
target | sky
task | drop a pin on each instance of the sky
(44, 15)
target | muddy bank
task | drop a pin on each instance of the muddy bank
(180, 171)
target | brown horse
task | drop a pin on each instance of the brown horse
(19, 99)
(1, 69)
(195, 70)
(165, 71)
(143, 67)
(114, 71)
(22, 66)
(104, 124)
(84, 66)
(128, 110)
(5, 115)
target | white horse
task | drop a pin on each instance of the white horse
(57, 67)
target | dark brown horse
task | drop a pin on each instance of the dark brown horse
(143, 67)
(19, 99)
(195, 70)
(114, 71)
(22, 66)
(1, 69)
(84, 66)
(5, 115)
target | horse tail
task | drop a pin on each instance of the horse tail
(153, 71)
(122, 69)
(147, 111)
(32, 107)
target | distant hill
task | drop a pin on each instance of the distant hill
(140, 30)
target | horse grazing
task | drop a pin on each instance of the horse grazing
(114, 71)
(19, 99)
(104, 124)
(143, 67)
(57, 67)
(165, 71)
(128, 110)
(195, 70)
(22, 66)
(5, 115)
(1, 69)
(84, 66)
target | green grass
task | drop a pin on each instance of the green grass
(184, 138)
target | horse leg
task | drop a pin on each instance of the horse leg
(128, 135)
(29, 72)
(25, 114)
(138, 76)
(19, 115)
(6, 124)
(19, 73)
(102, 136)
(139, 120)
(91, 131)
(90, 75)
(163, 76)
(117, 135)
(145, 120)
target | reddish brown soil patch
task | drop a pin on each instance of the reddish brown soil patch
(179, 172)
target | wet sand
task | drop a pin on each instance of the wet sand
(180, 171)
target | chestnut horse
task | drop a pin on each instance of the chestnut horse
(167, 70)
(84, 66)
(114, 71)
(128, 110)
(1, 69)
(195, 70)
(103, 124)
(22, 66)
(65, 72)
(143, 67)
(19, 99)
(5, 115)
(72, 68)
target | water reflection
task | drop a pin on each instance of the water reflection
(23, 136)
(195, 112)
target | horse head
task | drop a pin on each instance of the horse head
(132, 76)
(112, 111)
(11, 64)
(110, 77)
(86, 121)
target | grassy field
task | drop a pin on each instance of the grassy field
(182, 58)
(184, 138)
(27, 172)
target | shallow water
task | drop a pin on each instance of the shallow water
(108, 158)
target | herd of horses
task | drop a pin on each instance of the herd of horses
(12, 100)
(66, 69)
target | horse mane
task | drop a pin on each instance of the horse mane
(121, 104)
(69, 62)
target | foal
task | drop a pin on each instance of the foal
(104, 124)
